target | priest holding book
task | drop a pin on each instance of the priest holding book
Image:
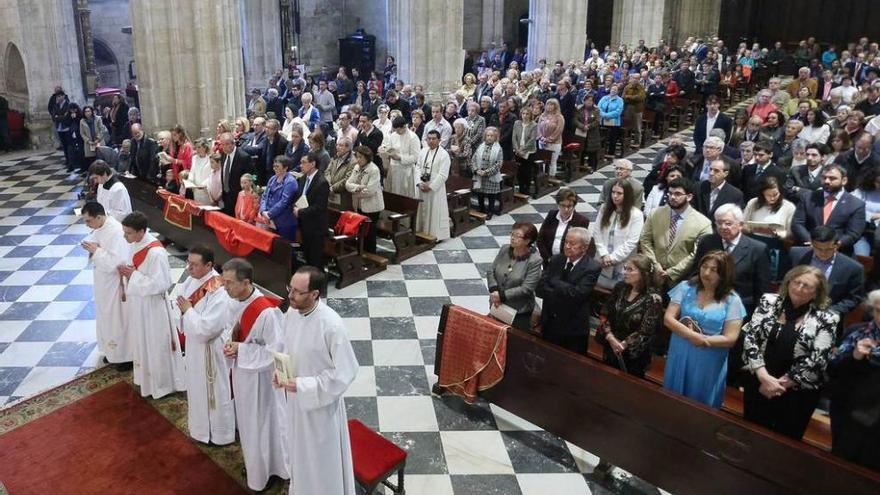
(324, 365)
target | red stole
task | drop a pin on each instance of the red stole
(253, 311)
(139, 257)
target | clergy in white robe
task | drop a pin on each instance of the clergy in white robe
(112, 193)
(108, 249)
(400, 150)
(432, 169)
(205, 308)
(324, 365)
(158, 363)
(259, 409)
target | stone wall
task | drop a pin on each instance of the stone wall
(321, 24)
(372, 17)
(108, 18)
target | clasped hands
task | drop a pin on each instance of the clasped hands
(771, 386)
(289, 385)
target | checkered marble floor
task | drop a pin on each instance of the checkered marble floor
(47, 337)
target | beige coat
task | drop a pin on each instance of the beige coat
(677, 257)
(370, 200)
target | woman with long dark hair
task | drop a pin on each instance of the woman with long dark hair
(616, 232)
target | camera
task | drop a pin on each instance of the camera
(425, 178)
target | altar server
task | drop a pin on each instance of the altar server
(108, 250)
(258, 405)
(205, 307)
(324, 365)
(432, 168)
(158, 363)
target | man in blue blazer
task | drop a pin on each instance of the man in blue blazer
(846, 215)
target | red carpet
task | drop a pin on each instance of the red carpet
(111, 442)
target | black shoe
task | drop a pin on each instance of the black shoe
(488, 216)
(104, 360)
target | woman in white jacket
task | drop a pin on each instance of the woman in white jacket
(616, 232)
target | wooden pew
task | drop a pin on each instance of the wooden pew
(271, 271)
(458, 199)
(510, 199)
(397, 223)
(672, 442)
(347, 259)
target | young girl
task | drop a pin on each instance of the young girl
(248, 203)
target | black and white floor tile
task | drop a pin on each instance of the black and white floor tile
(47, 337)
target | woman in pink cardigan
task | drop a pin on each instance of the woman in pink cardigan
(550, 128)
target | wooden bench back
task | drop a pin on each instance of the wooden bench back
(401, 204)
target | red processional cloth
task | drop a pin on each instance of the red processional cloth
(178, 210)
(349, 223)
(237, 237)
(474, 352)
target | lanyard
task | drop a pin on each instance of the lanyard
(426, 169)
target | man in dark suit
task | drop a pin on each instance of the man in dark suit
(846, 276)
(312, 218)
(253, 143)
(717, 191)
(566, 287)
(371, 137)
(143, 154)
(708, 81)
(711, 119)
(832, 207)
(804, 179)
(700, 163)
(273, 145)
(858, 160)
(234, 163)
(371, 105)
(763, 167)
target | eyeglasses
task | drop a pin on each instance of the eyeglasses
(291, 290)
(677, 194)
(802, 285)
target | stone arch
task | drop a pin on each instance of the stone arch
(107, 65)
(16, 79)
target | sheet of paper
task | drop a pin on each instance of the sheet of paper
(78, 212)
(764, 225)
(302, 202)
(210, 208)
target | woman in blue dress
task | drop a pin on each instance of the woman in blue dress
(705, 316)
(276, 205)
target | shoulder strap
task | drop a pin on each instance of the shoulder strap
(139, 257)
(252, 312)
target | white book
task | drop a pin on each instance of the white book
(502, 313)
(283, 367)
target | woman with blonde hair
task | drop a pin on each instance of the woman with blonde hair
(550, 127)
(787, 344)
(247, 205)
(470, 85)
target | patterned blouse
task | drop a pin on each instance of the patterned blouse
(632, 322)
(812, 348)
(867, 331)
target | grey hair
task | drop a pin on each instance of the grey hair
(799, 144)
(714, 141)
(242, 269)
(746, 145)
(719, 133)
(727, 209)
(272, 92)
(623, 161)
(583, 233)
(873, 296)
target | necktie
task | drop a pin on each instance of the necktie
(227, 167)
(826, 211)
(565, 271)
(728, 247)
(673, 226)
(308, 183)
(713, 195)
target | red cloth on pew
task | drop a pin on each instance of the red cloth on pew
(178, 210)
(349, 223)
(237, 237)
(474, 352)
(373, 455)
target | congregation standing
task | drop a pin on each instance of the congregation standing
(784, 193)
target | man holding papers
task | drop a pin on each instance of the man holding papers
(258, 406)
(310, 209)
(324, 365)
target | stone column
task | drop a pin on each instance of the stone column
(493, 23)
(697, 18)
(189, 63)
(90, 69)
(425, 38)
(287, 41)
(636, 20)
(261, 40)
(557, 30)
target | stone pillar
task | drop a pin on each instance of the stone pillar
(697, 18)
(493, 23)
(557, 30)
(287, 40)
(425, 38)
(188, 76)
(87, 54)
(261, 40)
(636, 20)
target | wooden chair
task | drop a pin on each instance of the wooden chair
(346, 255)
(397, 223)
